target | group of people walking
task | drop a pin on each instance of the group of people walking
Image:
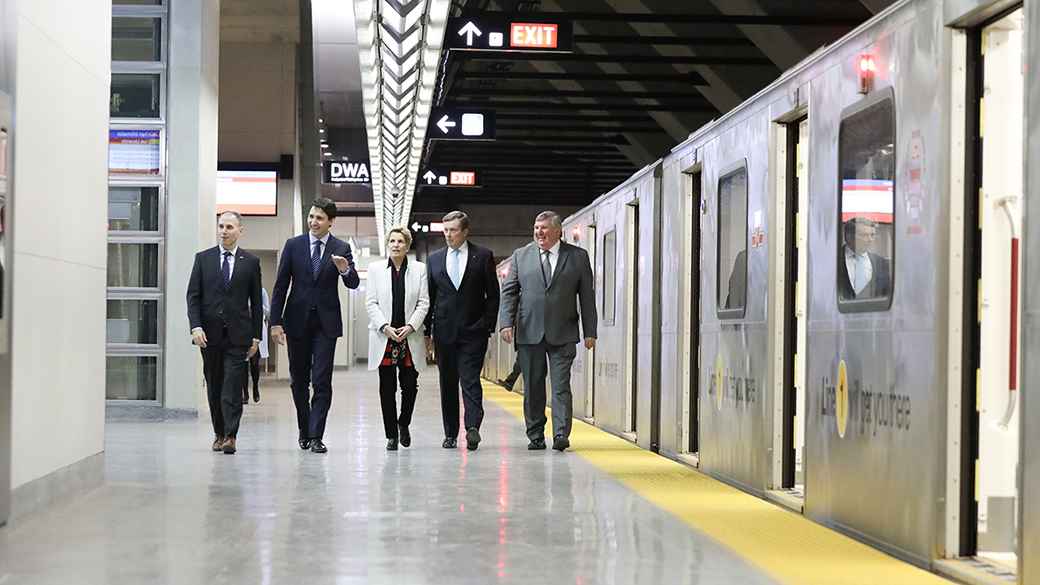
(446, 309)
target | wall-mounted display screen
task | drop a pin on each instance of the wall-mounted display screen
(247, 192)
(133, 152)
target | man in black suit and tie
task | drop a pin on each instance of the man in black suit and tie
(538, 296)
(463, 305)
(862, 274)
(226, 317)
(311, 319)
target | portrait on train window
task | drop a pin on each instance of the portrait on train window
(866, 223)
(731, 287)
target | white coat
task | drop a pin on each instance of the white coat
(379, 302)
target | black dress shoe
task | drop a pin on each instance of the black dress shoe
(406, 436)
(472, 438)
(256, 395)
(560, 443)
(536, 445)
(449, 443)
(391, 444)
(305, 444)
(505, 385)
(317, 446)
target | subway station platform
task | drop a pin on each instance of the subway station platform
(173, 511)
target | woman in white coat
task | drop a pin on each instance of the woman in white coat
(397, 301)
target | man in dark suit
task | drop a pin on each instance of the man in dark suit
(226, 317)
(311, 319)
(538, 296)
(463, 305)
(861, 273)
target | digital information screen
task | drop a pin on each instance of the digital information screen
(247, 192)
(133, 152)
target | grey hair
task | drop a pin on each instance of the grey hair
(556, 221)
(462, 217)
(400, 229)
(235, 214)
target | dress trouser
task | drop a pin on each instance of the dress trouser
(533, 360)
(388, 396)
(460, 363)
(224, 366)
(514, 375)
(310, 363)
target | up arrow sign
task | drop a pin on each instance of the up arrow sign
(469, 30)
(445, 123)
(430, 177)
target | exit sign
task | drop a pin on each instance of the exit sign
(499, 31)
(449, 178)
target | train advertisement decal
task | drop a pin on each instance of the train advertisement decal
(867, 409)
(737, 390)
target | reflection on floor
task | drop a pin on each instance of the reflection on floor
(172, 511)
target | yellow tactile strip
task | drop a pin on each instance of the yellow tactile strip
(780, 543)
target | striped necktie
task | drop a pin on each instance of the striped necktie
(316, 258)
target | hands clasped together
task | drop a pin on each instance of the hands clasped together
(397, 334)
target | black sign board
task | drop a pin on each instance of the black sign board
(461, 124)
(449, 178)
(334, 172)
(487, 31)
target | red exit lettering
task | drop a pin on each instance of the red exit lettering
(462, 178)
(533, 35)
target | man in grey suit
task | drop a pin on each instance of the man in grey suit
(544, 278)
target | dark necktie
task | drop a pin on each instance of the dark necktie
(225, 269)
(546, 267)
(316, 258)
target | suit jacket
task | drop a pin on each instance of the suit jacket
(466, 313)
(307, 291)
(549, 312)
(240, 308)
(880, 284)
(379, 300)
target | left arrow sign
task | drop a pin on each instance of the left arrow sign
(416, 226)
(445, 123)
(469, 30)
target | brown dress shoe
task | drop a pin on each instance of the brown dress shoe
(218, 442)
(229, 446)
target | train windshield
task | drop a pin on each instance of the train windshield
(866, 153)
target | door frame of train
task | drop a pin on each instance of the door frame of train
(631, 314)
(689, 440)
(589, 367)
(783, 320)
(960, 535)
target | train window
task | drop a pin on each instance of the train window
(866, 246)
(731, 287)
(609, 277)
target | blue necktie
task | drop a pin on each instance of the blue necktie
(316, 258)
(225, 270)
(455, 269)
(861, 274)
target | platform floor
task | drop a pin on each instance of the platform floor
(172, 511)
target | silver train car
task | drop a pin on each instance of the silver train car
(817, 298)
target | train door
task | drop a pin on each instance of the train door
(631, 328)
(990, 421)
(589, 366)
(692, 312)
(793, 157)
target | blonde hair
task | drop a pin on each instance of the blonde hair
(400, 229)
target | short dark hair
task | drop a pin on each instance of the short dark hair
(462, 217)
(232, 213)
(326, 205)
(850, 226)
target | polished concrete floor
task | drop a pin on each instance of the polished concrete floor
(172, 511)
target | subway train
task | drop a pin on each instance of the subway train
(816, 297)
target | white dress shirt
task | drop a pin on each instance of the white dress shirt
(462, 257)
(851, 258)
(554, 255)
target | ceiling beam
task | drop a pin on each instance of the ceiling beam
(698, 105)
(689, 78)
(575, 128)
(683, 18)
(587, 58)
(664, 40)
(556, 93)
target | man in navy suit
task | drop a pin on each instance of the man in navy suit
(463, 306)
(226, 318)
(310, 319)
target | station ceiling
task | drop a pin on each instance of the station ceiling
(643, 75)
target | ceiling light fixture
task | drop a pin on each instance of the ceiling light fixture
(400, 43)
